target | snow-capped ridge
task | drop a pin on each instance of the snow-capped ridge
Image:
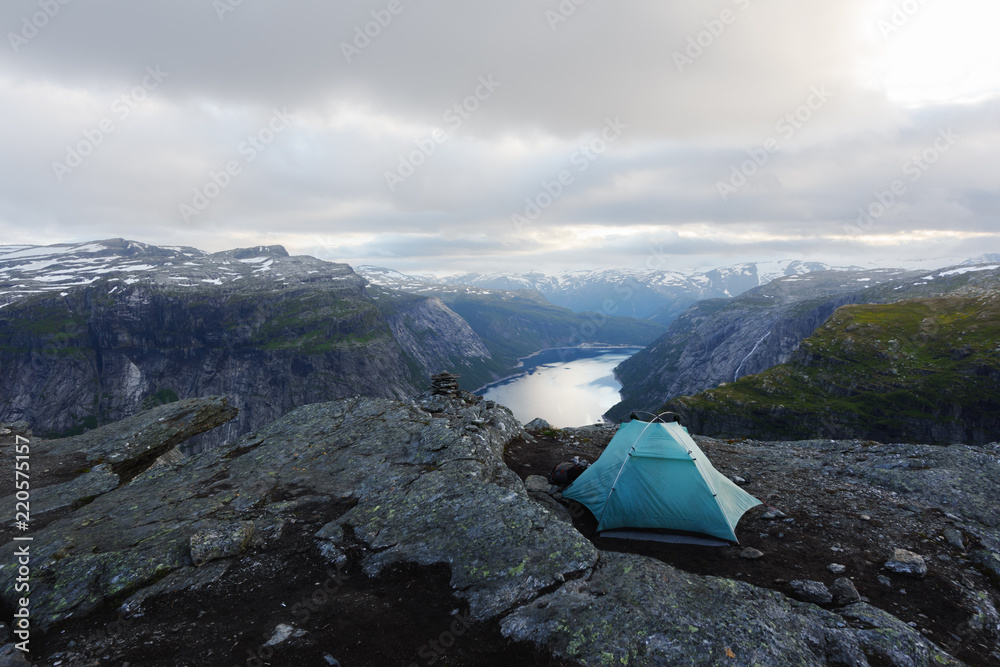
(26, 270)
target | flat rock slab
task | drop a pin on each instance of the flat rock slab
(399, 485)
(134, 443)
(467, 509)
(889, 641)
(424, 489)
(637, 611)
(95, 482)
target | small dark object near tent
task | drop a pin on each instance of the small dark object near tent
(568, 471)
(653, 482)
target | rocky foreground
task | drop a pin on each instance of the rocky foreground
(835, 514)
(377, 532)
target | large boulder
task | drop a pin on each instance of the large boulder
(71, 472)
(133, 444)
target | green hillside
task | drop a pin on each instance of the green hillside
(925, 370)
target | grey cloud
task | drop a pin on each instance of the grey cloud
(325, 174)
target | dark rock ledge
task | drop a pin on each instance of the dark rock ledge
(415, 482)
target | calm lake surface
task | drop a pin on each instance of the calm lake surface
(565, 387)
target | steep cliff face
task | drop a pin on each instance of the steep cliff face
(720, 341)
(481, 333)
(509, 325)
(434, 338)
(94, 332)
(915, 371)
(102, 352)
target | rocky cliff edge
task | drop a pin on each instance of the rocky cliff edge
(209, 560)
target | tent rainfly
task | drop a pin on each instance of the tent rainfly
(652, 481)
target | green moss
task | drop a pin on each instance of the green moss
(50, 320)
(875, 368)
(320, 323)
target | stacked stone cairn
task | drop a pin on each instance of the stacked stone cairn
(445, 384)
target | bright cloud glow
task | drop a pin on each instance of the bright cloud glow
(936, 51)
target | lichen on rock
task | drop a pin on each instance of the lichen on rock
(221, 542)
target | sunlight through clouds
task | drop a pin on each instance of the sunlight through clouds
(936, 52)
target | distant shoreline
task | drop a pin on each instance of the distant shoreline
(585, 346)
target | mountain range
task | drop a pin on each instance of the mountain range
(658, 295)
(93, 332)
(720, 341)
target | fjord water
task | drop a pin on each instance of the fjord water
(565, 387)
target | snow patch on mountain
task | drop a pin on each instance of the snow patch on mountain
(642, 293)
(27, 270)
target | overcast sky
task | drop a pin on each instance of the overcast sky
(448, 135)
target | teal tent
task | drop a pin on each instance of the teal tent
(653, 479)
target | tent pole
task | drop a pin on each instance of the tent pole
(607, 500)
